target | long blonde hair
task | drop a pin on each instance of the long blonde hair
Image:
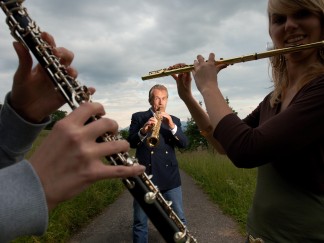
(278, 63)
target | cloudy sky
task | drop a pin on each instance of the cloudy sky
(117, 42)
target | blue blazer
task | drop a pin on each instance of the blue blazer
(160, 161)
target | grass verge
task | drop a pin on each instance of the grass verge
(229, 187)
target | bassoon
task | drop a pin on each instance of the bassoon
(159, 211)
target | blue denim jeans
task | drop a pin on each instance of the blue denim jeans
(140, 230)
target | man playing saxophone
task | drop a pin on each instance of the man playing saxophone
(158, 154)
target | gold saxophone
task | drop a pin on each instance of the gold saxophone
(153, 140)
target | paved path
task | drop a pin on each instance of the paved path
(206, 222)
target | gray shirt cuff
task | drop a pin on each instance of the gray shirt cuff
(23, 208)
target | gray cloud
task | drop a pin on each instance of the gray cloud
(117, 42)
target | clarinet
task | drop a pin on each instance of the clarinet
(158, 210)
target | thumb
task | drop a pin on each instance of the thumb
(25, 61)
(220, 67)
(175, 77)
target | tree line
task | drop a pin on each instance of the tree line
(196, 140)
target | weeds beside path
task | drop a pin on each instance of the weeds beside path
(206, 222)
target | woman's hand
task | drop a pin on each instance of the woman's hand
(183, 82)
(205, 73)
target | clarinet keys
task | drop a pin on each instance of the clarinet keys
(150, 197)
(129, 184)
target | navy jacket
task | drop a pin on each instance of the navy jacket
(160, 161)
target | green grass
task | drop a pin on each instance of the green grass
(227, 186)
(70, 216)
(39, 139)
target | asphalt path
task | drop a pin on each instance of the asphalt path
(206, 222)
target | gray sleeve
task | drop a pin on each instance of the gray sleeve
(23, 208)
(17, 135)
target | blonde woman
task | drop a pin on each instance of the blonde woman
(284, 136)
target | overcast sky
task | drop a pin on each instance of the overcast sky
(117, 42)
